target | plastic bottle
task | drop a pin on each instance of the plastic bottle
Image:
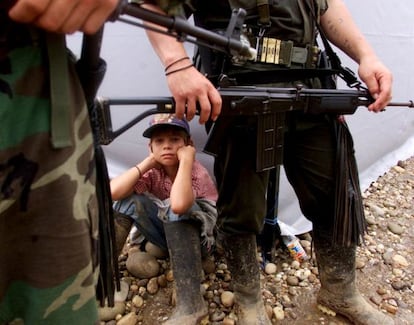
(295, 248)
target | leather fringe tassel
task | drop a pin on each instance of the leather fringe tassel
(349, 224)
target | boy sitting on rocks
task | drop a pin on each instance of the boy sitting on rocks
(171, 199)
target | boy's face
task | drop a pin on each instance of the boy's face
(164, 145)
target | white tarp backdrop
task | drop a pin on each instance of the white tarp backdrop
(380, 139)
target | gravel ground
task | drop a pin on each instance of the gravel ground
(384, 270)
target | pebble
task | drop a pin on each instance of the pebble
(399, 261)
(292, 280)
(138, 301)
(270, 268)
(279, 313)
(152, 286)
(142, 265)
(376, 210)
(108, 313)
(129, 319)
(227, 298)
(395, 228)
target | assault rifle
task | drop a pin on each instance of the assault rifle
(269, 104)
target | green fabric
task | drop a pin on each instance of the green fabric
(59, 90)
(48, 208)
(37, 306)
(17, 121)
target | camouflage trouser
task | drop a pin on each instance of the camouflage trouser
(48, 212)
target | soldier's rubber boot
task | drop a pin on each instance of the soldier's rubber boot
(123, 225)
(241, 255)
(338, 293)
(183, 240)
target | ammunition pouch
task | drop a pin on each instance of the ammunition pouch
(285, 53)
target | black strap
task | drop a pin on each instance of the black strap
(91, 69)
(264, 12)
(61, 128)
(345, 73)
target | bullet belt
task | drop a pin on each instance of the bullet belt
(276, 51)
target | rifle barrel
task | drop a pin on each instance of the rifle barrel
(409, 104)
(183, 28)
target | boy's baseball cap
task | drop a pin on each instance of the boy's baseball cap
(159, 120)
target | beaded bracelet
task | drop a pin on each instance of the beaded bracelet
(180, 69)
(179, 60)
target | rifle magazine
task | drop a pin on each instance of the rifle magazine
(269, 143)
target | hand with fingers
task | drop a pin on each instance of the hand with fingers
(378, 79)
(63, 16)
(190, 88)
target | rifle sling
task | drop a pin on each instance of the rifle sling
(346, 74)
(264, 12)
(59, 91)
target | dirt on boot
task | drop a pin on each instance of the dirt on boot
(354, 308)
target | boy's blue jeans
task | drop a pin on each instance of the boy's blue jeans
(144, 212)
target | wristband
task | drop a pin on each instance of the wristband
(179, 69)
(139, 171)
(176, 61)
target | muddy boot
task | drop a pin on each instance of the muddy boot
(183, 239)
(338, 293)
(241, 255)
(123, 225)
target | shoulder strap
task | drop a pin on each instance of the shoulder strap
(264, 12)
(59, 91)
(345, 73)
(91, 70)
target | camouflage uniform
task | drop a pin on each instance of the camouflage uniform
(48, 212)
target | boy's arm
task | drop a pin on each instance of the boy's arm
(182, 195)
(123, 185)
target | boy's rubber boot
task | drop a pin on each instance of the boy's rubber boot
(183, 240)
(338, 293)
(241, 255)
(123, 225)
